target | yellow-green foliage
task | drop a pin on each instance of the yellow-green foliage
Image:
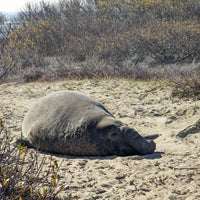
(31, 35)
(146, 4)
(179, 31)
(121, 26)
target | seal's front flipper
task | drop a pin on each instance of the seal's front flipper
(23, 142)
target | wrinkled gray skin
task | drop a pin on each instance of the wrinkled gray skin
(70, 123)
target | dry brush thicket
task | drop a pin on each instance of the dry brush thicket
(122, 35)
(140, 39)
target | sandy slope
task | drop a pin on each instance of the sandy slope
(172, 172)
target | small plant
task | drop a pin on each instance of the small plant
(23, 174)
(187, 88)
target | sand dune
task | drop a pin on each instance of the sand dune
(172, 172)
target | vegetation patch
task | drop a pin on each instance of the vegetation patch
(22, 173)
(186, 88)
(138, 39)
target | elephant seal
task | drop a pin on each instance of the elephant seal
(70, 123)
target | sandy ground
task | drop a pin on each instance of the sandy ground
(172, 172)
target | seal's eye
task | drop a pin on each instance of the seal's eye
(110, 133)
(114, 135)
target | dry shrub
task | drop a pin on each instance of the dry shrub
(186, 82)
(32, 74)
(187, 88)
(110, 32)
(21, 174)
(173, 41)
